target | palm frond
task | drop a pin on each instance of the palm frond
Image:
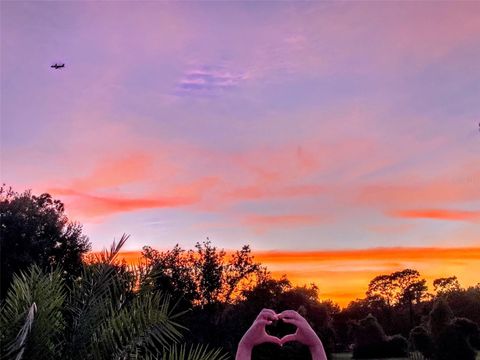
(145, 324)
(31, 319)
(93, 299)
(17, 348)
(109, 257)
(103, 317)
(194, 352)
(108, 321)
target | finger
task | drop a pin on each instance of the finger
(295, 322)
(268, 311)
(267, 314)
(289, 314)
(267, 317)
(263, 322)
(288, 338)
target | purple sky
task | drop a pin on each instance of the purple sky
(291, 126)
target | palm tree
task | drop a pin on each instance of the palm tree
(100, 315)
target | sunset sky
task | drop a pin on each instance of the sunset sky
(339, 139)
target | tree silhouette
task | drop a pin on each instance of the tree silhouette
(204, 276)
(35, 229)
(443, 286)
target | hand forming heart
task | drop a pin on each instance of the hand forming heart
(256, 334)
(304, 333)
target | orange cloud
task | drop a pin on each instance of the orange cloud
(439, 214)
(90, 206)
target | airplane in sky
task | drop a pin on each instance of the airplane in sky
(58, 66)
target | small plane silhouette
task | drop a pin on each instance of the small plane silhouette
(57, 66)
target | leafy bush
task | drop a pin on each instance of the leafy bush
(446, 337)
(371, 341)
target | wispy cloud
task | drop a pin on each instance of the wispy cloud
(265, 192)
(459, 185)
(263, 223)
(208, 80)
(91, 206)
(437, 214)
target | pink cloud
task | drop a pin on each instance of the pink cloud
(122, 169)
(91, 206)
(256, 192)
(423, 193)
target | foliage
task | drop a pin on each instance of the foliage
(421, 341)
(446, 337)
(35, 229)
(382, 288)
(203, 276)
(99, 316)
(371, 341)
(31, 320)
(400, 287)
(444, 286)
(198, 352)
(397, 300)
(465, 303)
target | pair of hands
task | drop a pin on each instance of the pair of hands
(304, 334)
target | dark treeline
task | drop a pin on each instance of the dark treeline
(217, 295)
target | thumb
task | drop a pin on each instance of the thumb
(288, 338)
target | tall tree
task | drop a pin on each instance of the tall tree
(411, 289)
(410, 286)
(35, 229)
(446, 285)
(382, 287)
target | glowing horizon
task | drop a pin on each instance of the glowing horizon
(343, 275)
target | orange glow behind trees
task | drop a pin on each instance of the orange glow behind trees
(343, 275)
